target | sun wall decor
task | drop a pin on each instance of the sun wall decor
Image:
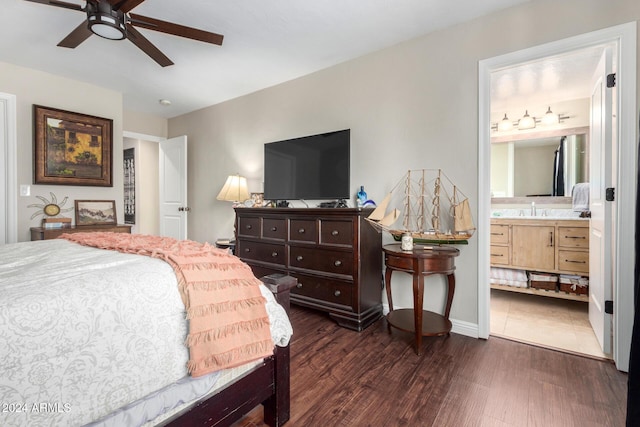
(49, 208)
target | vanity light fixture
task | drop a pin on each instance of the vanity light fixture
(550, 118)
(526, 122)
(505, 124)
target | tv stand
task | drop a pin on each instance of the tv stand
(334, 253)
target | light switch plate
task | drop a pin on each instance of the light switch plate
(25, 190)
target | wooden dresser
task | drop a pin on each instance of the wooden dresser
(334, 253)
(39, 233)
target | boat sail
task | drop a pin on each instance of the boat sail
(432, 209)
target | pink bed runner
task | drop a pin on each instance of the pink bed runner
(228, 322)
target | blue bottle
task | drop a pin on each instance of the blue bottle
(361, 197)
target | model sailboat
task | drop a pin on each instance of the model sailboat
(432, 209)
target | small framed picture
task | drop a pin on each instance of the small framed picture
(257, 199)
(95, 212)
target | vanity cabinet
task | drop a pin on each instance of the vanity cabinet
(334, 253)
(533, 247)
(544, 245)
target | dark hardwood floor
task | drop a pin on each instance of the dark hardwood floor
(374, 378)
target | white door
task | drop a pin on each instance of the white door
(173, 187)
(600, 273)
(8, 170)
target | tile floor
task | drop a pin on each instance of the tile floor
(549, 322)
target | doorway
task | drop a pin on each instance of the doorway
(624, 37)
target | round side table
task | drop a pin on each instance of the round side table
(420, 262)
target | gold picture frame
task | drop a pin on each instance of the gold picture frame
(95, 212)
(72, 148)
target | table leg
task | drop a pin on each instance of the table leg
(387, 284)
(451, 280)
(418, 292)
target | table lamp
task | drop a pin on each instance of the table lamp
(234, 190)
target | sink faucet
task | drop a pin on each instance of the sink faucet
(533, 208)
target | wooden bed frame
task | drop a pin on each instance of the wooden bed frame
(266, 384)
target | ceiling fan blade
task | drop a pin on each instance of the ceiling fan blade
(147, 47)
(124, 5)
(57, 3)
(77, 36)
(175, 29)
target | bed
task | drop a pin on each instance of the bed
(97, 337)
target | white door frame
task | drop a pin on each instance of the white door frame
(9, 164)
(623, 293)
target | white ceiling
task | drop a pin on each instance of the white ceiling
(266, 43)
(550, 80)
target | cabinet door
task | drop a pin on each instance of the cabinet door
(533, 247)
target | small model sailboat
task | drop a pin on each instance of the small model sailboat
(432, 208)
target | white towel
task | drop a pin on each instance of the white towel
(580, 194)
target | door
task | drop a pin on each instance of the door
(600, 273)
(173, 187)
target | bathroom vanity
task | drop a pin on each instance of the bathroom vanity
(541, 244)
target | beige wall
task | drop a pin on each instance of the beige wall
(145, 124)
(414, 105)
(36, 87)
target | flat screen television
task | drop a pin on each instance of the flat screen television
(315, 167)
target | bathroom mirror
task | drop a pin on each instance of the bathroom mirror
(541, 166)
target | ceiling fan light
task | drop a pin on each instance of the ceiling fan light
(505, 124)
(526, 122)
(105, 22)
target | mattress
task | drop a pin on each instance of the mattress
(86, 331)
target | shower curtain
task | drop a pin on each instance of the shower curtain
(558, 169)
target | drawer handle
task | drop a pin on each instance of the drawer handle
(248, 227)
(274, 254)
(336, 293)
(299, 258)
(551, 238)
(301, 231)
(497, 254)
(575, 237)
(274, 228)
(338, 263)
(497, 234)
(335, 233)
(575, 262)
(247, 250)
(299, 285)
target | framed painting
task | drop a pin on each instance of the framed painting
(72, 148)
(95, 212)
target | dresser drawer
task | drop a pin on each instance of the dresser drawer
(332, 291)
(303, 230)
(336, 232)
(249, 226)
(322, 260)
(573, 261)
(274, 228)
(499, 233)
(265, 252)
(500, 255)
(573, 237)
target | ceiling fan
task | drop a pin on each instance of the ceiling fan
(111, 19)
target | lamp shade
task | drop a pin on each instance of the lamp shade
(234, 189)
(526, 122)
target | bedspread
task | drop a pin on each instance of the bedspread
(85, 331)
